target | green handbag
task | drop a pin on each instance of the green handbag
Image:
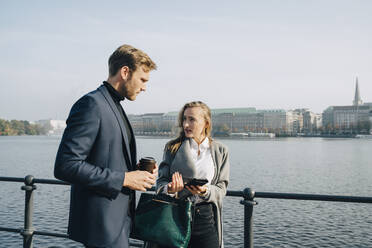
(163, 220)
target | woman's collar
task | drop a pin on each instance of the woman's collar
(203, 145)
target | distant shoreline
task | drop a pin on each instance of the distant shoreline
(255, 137)
(154, 136)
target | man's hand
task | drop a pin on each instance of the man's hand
(139, 180)
(155, 170)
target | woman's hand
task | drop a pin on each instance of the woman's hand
(177, 183)
(197, 190)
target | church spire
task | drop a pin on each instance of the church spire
(357, 100)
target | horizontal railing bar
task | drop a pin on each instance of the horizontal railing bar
(12, 179)
(60, 235)
(34, 180)
(237, 193)
(6, 229)
(313, 197)
(50, 181)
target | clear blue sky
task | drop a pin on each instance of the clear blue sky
(265, 54)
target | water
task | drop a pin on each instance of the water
(298, 165)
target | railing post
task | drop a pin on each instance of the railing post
(28, 230)
(248, 203)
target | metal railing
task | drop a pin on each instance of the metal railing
(247, 194)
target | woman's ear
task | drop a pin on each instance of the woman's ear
(206, 127)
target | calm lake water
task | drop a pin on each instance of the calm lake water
(296, 165)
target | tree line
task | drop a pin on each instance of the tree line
(16, 127)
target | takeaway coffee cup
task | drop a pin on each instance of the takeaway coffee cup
(147, 164)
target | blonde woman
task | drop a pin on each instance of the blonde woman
(194, 154)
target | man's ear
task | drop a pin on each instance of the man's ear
(125, 72)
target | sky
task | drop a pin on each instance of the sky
(267, 54)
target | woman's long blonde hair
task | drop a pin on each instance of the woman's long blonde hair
(175, 144)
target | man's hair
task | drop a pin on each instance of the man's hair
(126, 55)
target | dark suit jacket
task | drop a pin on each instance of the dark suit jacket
(93, 156)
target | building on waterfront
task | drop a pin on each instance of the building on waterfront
(152, 121)
(297, 120)
(312, 122)
(353, 118)
(170, 122)
(258, 121)
(276, 120)
(235, 119)
(159, 123)
(228, 120)
(239, 120)
(53, 127)
(136, 122)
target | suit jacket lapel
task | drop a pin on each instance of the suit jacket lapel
(134, 148)
(106, 94)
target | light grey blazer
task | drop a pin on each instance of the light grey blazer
(182, 162)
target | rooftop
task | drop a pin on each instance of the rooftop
(233, 111)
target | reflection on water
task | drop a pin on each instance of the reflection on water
(308, 165)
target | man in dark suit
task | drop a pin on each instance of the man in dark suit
(97, 155)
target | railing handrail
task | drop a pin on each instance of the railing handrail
(248, 194)
(235, 193)
(34, 180)
(314, 197)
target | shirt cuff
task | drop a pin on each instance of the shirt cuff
(165, 191)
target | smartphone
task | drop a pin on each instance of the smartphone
(196, 182)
